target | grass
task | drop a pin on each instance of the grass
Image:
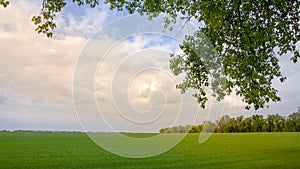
(76, 150)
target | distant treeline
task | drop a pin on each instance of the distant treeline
(255, 123)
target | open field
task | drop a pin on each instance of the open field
(76, 150)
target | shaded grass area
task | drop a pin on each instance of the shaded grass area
(76, 150)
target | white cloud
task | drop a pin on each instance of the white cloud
(87, 24)
(36, 72)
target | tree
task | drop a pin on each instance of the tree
(239, 121)
(194, 129)
(164, 130)
(209, 127)
(181, 129)
(4, 3)
(257, 123)
(221, 128)
(231, 126)
(294, 121)
(244, 34)
(246, 125)
(279, 123)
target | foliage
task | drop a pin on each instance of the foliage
(201, 66)
(244, 34)
(4, 3)
(44, 20)
(255, 123)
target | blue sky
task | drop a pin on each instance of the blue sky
(36, 75)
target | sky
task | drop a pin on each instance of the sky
(103, 71)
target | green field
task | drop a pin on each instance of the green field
(76, 150)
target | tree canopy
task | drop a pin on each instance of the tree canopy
(247, 36)
(254, 123)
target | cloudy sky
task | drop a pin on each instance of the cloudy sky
(119, 69)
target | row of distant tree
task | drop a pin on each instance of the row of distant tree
(255, 123)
